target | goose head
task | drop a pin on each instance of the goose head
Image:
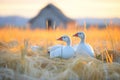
(65, 38)
(81, 35)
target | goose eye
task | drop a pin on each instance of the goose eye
(80, 33)
(63, 37)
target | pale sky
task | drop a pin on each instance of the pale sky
(71, 8)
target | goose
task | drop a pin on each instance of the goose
(61, 51)
(84, 48)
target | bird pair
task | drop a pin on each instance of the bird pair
(69, 51)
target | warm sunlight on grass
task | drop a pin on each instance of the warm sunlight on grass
(103, 38)
(17, 59)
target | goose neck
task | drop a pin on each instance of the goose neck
(82, 41)
(68, 43)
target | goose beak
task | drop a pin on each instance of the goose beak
(60, 39)
(75, 35)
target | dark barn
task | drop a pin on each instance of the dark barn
(49, 17)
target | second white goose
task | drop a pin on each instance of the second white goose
(83, 48)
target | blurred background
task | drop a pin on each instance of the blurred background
(29, 27)
(19, 12)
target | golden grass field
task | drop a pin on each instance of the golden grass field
(18, 62)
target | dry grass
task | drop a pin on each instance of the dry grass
(18, 62)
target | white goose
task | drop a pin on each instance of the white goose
(83, 48)
(62, 51)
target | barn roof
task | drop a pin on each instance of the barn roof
(55, 11)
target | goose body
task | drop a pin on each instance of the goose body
(75, 47)
(62, 51)
(52, 48)
(84, 48)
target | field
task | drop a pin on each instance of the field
(19, 62)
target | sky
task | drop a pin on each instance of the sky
(71, 8)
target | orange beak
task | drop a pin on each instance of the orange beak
(60, 39)
(75, 35)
